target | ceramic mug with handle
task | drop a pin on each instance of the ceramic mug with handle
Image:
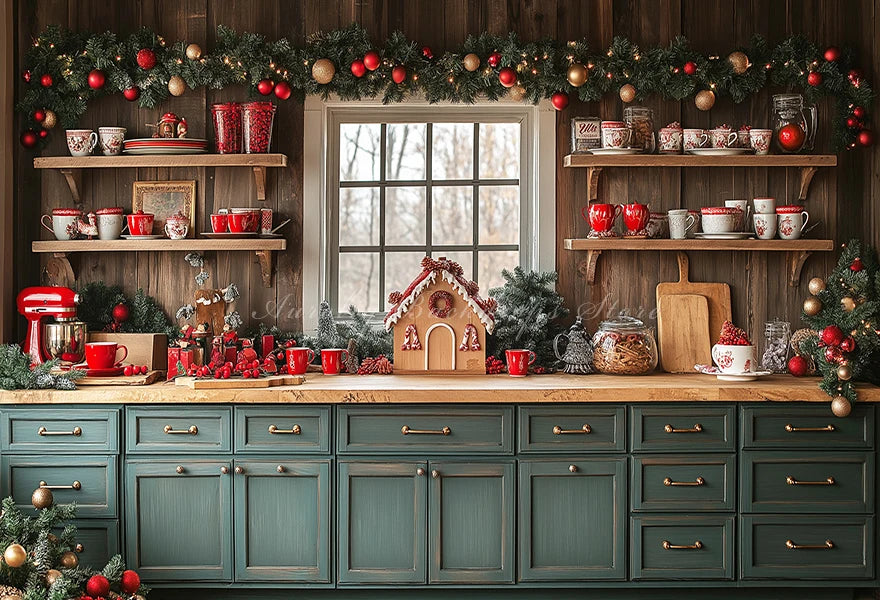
(519, 361)
(722, 137)
(110, 140)
(793, 220)
(81, 142)
(635, 217)
(680, 223)
(62, 223)
(601, 217)
(102, 355)
(734, 359)
(299, 359)
(694, 138)
(332, 360)
(765, 226)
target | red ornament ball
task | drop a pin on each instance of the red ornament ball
(798, 365)
(372, 60)
(854, 75)
(848, 345)
(146, 59)
(559, 100)
(26, 75)
(97, 79)
(46, 80)
(791, 137)
(358, 69)
(265, 86)
(131, 94)
(494, 59)
(98, 585)
(814, 78)
(282, 90)
(28, 138)
(852, 122)
(507, 77)
(856, 265)
(866, 138)
(44, 133)
(832, 335)
(426, 52)
(859, 112)
(833, 355)
(832, 53)
(130, 582)
(690, 67)
(398, 74)
(39, 115)
(120, 313)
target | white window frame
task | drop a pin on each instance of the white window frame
(321, 165)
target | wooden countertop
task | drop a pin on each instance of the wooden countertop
(499, 389)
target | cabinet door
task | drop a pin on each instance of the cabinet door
(282, 512)
(178, 519)
(572, 519)
(382, 514)
(471, 522)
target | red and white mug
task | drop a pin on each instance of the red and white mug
(793, 220)
(332, 359)
(298, 360)
(63, 223)
(519, 361)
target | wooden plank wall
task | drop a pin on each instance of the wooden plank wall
(7, 134)
(841, 198)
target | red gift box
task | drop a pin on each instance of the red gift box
(267, 345)
(182, 355)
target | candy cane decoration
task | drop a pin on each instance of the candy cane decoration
(411, 338)
(470, 340)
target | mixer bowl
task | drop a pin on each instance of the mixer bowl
(65, 340)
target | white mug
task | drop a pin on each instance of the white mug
(110, 140)
(744, 212)
(765, 206)
(765, 226)
(81, 142)
(698, 217)
(680, 223)
(723, 138)
(792, 221)
(110, 226)
(64, 223)
(694, 138)
(734, 359)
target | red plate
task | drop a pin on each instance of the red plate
(111, 372)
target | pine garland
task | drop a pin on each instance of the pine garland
(541, 67)
(145, 314)
(16, 372)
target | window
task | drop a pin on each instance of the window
(402, 182)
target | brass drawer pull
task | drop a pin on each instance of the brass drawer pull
(560, 431)
(695, 429)
(828, 545)
(76, 485)
(698, 545)
(77, 431)
(405, 430)
(697, 482)
(792, 429)
(295, 430)
(193, 430)
(792, 481)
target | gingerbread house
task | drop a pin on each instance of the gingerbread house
(440, 322)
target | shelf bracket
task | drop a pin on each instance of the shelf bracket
(74, 182)
(265, 257)
(587, 267)
(593, 183)
(58, 270)
(796, 262)
(260, 180)
(806, 177)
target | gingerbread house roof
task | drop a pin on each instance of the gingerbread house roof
(452, 273)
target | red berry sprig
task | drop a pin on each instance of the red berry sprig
(494, 365)
(379, 365)
(731, 335)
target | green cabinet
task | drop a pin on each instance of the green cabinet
(572, 519)
(682, 482)
(667, 547)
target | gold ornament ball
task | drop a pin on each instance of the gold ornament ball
(577, 75)
(15, 555)
(323, 70)
(11, 597)
(471, 62)
(51, 120)
(53, 538)
(517, 93)
(627, 92)
(176, 85)
(42, 498)
(844, 372)
(739, 61)
(52, 576)
(69, 560)
(817, 284)
(840, 406)
(812, 306)
(193, 52)
(705, 99)
(847, 303)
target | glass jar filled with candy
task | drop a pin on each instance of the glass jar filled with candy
(227, 127)
(257, 126)
(777, 337)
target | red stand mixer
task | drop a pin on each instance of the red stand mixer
(65, 337)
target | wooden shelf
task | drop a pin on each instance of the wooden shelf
(70, 166)
(797, 250)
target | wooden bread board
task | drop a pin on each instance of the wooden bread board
(150, 378)
(683, 332)
(238, 382)
(717, 295)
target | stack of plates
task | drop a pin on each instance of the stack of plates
(165, 146)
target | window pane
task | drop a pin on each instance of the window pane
(405, 216)
(499, 214)
(499, 150)
(452, 219)
(453, 151)
(400, 269)
(358, 217)
(406, 151)
(358, 281)
(491, 264)
(359, 152)
(465, 259)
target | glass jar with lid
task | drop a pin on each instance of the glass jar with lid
(640, 120)
(624, 346)
(794, 124)
(777, 336)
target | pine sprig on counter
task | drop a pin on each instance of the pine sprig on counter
(16, 372)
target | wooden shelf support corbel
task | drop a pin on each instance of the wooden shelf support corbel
(796, 260)
(260, 180)
(74, 182)
(593, 183)
(58, 270)
(587, 267)
(265, 257)
(806, 178)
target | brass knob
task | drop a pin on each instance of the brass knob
(179, 469)
(239, 470)
(420, 472)
(224, 469)
(572, 468)
(435, 474)
(280, 468)
(79, 548)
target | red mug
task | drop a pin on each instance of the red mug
(299, 359)
(243, 222)
(102, 355)
(140, 223)
(519, 361)
(332, 359)
(219, 223)
(601, 217)
(635, 216)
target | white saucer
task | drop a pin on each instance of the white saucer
(732, 235)
(142, 237)
(719, 151)
(710, 370)
(616, 151)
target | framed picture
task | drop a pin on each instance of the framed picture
(164, 199)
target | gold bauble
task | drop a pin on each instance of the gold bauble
(627, 92)
(10, 592)
(840, 406)
(471, 62)
(15, 555)
(69, 560)
(817, 284)
(577, 75)
(323, 70)
(193, 52)
(52, 575)
(844, 372)
(847, 303)
(176, 85)
(739, 61)
(51, 120)
(53, 538)
(42, 498)
(517, 93)
(812, 306)
(705, 99)
(11, 597)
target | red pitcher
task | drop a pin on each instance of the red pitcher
(601, 217)
(635, 217)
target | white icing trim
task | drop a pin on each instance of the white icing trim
(428, 342)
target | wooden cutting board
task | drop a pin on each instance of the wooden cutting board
(717, 295)
(238, 382)
(149, 378)
(683, 332)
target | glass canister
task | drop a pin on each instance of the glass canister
(624, 346)
(777, 337)
(257, 126)
(794, 124)
(227, 127)
(641, 121)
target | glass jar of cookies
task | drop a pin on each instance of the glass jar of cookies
(624, 346)
(641, 121)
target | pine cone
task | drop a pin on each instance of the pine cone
(472, 288)
(395, 297)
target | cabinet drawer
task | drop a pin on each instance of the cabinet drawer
(449, 430)
(99, 540)
(165, 431)
(684, 483)
(39, 430)
(272, 430)
(675, 547)
(572, 429)
(676, 429)
(90, 481)
(801, 426)
(804, 482)
(837, 547)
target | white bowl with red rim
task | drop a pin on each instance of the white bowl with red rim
(720, 219)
